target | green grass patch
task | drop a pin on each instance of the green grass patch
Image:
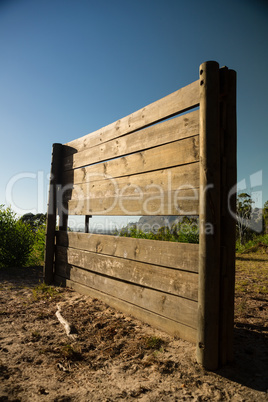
(43, 291)
(70, 352)
(154, 343)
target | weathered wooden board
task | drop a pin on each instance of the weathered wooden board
(168, 280)
(166, 156)
(183, 256)
(177, 102)
(172, 327)
(139, 186)
(183, 202)
(170, 306)
(179, 177)
(169, 131)
(131, 198)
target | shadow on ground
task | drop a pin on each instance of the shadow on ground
(22, 277)
(250, 366)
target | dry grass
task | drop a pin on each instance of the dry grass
(252, 273)
(251, 291)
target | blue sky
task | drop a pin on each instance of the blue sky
(69, 67)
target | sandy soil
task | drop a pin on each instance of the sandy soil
(112, 357)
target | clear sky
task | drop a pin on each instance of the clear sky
(69, 67)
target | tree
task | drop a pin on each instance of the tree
(243, 214)
(16, 239)
(35, 221)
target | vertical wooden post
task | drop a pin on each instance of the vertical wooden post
(62, 203)
(209, 216)
(52, 213)
(63, 219)
(231, 151)
(228, 206)
(62, 207)
(87, 217)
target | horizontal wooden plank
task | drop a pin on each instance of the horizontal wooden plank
(167, 254)
(183, 202)
(177, 102)
(169, 131)
(172, 327)
(142, 185)
(166, 156)
(170, 306)
(184, 176)
(168, 280)
(173, 154)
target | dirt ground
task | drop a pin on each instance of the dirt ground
(111, 357)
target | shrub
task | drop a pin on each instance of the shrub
(186, 231)
(37, 255)
(258, 243)
(16, 239)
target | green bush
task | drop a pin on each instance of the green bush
(257, 242)
(37, 255)
(16, 239)
(38, 226)
(186, 231)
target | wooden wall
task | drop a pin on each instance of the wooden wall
(160, 160)
(128, 168)
(142, 277)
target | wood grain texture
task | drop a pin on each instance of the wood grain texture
(169, 131)
(166, 156)
(177, 102)
(209, 241)
(145, 194)
(168, 280)
(183, 256)
(170, 306)
(185, 176)
(183, 202)
(172, 327)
